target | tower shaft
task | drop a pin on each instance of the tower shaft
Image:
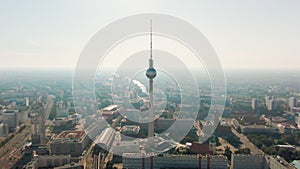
(150, 116)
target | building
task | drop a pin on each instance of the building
(286, 128)
(27, 102)
(297, 120)
(126, 147)
(257, 129)
(48, 161)
(109, 113)
(69, 142)
(258, 161)
(296, 163)
(53, 161)
(63, 123)
(105, 139)
(292, 103)
(287, 147)
(136, 160)
(131, 129)
(22, 116)
(249, 161)
(276, 162)
(3, 129)
(254, 104)
(212, 144)
(10, 117)
(271, 103)
(200, 148)
(71, 166)
(35, 129)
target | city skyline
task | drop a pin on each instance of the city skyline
(128, 84)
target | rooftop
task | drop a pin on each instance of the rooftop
(110, 108)
(71, 134)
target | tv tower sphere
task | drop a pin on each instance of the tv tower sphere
(151, 73)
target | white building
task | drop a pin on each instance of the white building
(297, 120)
(254, 103)
(69, 142)
(271, 103)
(27, 102)
(130, 129)
(292, 103)
(136, 160)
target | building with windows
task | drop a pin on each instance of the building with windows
(258, 161)
(292, 103)
(271, 103)
(258, 129)
(136, 160)
(10, 117)
(243, 161)
(254, 104)
(69, 142)
(3, 129)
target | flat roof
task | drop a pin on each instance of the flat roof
(71, 134)
(110, 108)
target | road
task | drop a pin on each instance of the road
(11, 153)
(247, 143)
(225, 144)
(45, 114)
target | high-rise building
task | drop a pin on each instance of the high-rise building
(297, 119)
(27, 102)
(292, 103)
(3, 129)
(254, 103)
(10, 117)
(271, 103)
(36, 129)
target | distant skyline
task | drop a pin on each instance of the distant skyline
(251, 34)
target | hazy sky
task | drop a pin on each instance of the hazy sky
(245, 34)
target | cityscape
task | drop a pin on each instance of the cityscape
(143, 107)
(40, 128)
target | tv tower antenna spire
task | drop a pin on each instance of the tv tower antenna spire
(151, 74)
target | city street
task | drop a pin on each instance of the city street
(247, 143)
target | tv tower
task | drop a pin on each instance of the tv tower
(151, 73)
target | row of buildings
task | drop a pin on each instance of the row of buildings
(271, 103)
(251, 161)
(238, 161)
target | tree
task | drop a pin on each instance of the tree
(244, 151)
(227, 153)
